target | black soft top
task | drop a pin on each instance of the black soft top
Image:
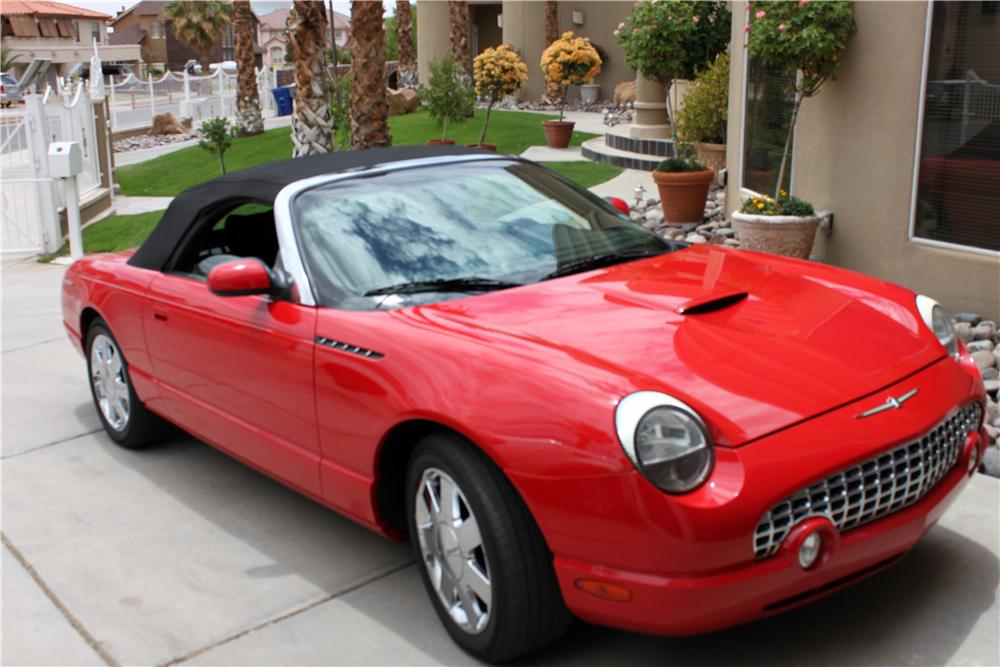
(262, 184)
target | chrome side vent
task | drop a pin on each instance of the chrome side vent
(347, 347)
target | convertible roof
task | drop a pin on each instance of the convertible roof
(262, 184)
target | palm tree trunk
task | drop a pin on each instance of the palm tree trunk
(248, 117)
(551, 21)
(312, 124)
(458, 14)
(404, 40)
(369, 108)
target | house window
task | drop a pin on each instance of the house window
(95, 31)
(958, 170)
(770, 100)
(156, 30)
(227, 44)
(76, 30)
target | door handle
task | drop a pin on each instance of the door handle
(159, 315)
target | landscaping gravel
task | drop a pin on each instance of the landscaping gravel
(143, 141)
(983, 341)
(714, 227)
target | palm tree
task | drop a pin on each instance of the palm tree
(458, 13)
(6, 60)
(200, 25)
(369, 108)
(312, 124)
(404, 41)
(551, 21)
(248, 118)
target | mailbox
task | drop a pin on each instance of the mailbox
(65, 159)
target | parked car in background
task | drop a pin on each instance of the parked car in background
(10, 91)
(564, 413)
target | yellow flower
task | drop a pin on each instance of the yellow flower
(760, 205)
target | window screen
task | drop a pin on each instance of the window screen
(770, 100)
(958, 179)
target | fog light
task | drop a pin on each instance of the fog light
(810, 550)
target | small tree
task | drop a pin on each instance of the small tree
(498, 72)
(216, 137)
(569, 60)
(706, 105)
(672, 39)
(804, 40)
(447, 96)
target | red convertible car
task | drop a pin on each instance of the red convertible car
(565, 414)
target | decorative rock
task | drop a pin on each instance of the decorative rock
(689, 226)
(971, 318)
(964, 331)
(984, 330)
(991, 386)
(980, 346)
(732, 243)
(725, 231)
(717, 239)
(989, 373)
(992, 411)
(656, 215)
(695, 238)
(167, 123)
(402, 101)
(991, 461)
(652, 201)
(984, 359)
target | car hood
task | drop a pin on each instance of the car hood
(805, 339)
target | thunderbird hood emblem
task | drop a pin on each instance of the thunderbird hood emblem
(893, 402)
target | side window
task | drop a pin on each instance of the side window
(245, 231)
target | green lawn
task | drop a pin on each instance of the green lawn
(511, 131)
(114, 233)
(588, 174)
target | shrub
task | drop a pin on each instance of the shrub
(804, 40)
(216, 137)
(677, 164)
(447, 96)
(339, 93)
(569, 60)
(498, 72)
(706, 106)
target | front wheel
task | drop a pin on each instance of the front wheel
(125, 419)
(481, 556)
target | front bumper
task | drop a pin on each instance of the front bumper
(688, 561)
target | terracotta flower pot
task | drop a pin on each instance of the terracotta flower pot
(558, 132)
(683, 194)
(712, 156)
(788, 235)
(485, 147)
(441, 142)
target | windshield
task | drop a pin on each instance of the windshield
(433, 233)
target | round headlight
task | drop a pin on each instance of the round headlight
(939, 323)
(666, 441)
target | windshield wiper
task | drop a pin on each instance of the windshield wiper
(471, 284)
(599, 261)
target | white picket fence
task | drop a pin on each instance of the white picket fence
(134, 102)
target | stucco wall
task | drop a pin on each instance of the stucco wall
(854, 155)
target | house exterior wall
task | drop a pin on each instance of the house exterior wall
(855, 151)
(524, 30)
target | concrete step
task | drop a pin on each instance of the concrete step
(598, 151)
(618, 137)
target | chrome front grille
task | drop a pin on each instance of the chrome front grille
(874, 488)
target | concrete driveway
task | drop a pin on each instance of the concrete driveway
(180, 555)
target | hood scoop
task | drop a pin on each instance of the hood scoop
(711, 302)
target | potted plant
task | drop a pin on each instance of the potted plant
(703, 118)
(781, 225)
(683, 186)
(498, 73)
(447, 96)
(590, 93)
(666, 40)
(804, 40)
(567, 61)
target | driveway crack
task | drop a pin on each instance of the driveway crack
(51, 595)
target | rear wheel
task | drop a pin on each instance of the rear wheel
(125, 419)
(482, 558)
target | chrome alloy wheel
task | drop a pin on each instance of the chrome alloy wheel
(452, 550)
(107, 374)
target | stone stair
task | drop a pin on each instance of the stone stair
(617, 148)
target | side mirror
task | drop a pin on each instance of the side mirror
(242, 277)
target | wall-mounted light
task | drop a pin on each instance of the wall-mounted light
(500, 20)
(577, 18)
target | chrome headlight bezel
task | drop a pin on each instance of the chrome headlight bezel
(629, 415)
(936, 319)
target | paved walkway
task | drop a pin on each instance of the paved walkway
(179, 554)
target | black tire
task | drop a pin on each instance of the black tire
(141, 427)
(526, 611)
